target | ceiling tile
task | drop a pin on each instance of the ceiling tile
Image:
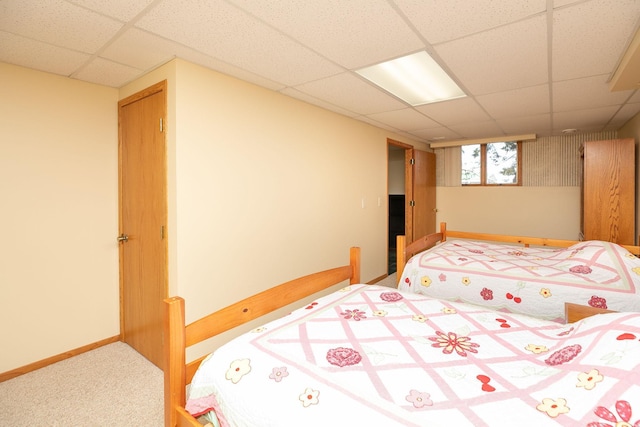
(478, 129)
(41, 56)
(222, 31)
(407, 119)
(294, 93)
(635, 97)
(107, 73)
(123, 10)
(343, 31)
(561, 3)
(454, 112)
(499, 51)
(588, 92)
(141, 49)
(58, 23)
(602, 27)
(376, 123)
(625, 113)
(584, 120)
(540, 125)
(528, 101)
(440, 21)
(440, 134)
(203, 60)
(508, 57)
(351, 93)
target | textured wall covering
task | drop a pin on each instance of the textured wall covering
(555, 161)
(546, 162)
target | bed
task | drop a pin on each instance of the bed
(536, 277)
(373, 355)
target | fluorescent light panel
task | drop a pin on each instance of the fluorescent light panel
(417, 79)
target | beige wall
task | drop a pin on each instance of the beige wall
(262, 188)
(269, 188)
(58, 186)
(396, 172)
(552, 212)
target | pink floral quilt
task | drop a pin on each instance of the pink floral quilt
(532, 281)
(374, 356)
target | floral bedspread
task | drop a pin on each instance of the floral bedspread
(374, 356)
(533, 281)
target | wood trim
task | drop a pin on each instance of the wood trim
(377, 279)
(151, 90)
(406, 251)
(161, 88)
(55, 359)
(574, 312)
(419, 245)
(262, 303)
(178, 336)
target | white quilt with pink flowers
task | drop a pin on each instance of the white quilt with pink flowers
(374, 356)
(533, 281)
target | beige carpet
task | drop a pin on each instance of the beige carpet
(389, 281)
(110, 386)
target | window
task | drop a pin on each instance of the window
(496, 163)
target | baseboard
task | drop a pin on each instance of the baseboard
(54, 359)
(377, 279)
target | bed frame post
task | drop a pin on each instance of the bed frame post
(175, 359)
(443, 230)
(354, 261)
(401, 256)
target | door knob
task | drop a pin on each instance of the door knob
(123, 238)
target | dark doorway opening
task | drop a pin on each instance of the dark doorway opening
(396, 227)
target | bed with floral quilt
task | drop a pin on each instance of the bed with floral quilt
(529, 280)
(368, 355)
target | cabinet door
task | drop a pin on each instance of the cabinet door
(609, 191)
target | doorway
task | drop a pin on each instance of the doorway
(396, 203)
(411, 180)
(143, 219)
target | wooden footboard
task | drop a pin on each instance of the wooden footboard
(575, 312)
(178, 337)
(431, 240)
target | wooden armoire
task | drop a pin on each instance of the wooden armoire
(608, 193)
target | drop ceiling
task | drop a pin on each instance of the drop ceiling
(527, 66)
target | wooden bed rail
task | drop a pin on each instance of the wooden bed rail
(431, 240)
(178, 337)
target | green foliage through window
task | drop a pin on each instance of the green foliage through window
(495, 163)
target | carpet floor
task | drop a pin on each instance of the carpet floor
(111, 386)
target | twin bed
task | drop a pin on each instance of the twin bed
(428, 353)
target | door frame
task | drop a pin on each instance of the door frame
(408, 183)
(409, 151)
(408, 188)
(160, 87)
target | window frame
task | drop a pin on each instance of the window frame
(483, 167)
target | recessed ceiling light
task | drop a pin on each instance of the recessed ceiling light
(417, 79)
(566, 131)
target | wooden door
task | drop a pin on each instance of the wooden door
(420, 182)
(609, 191)
(143, 219)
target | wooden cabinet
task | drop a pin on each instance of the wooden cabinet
(608, 199)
